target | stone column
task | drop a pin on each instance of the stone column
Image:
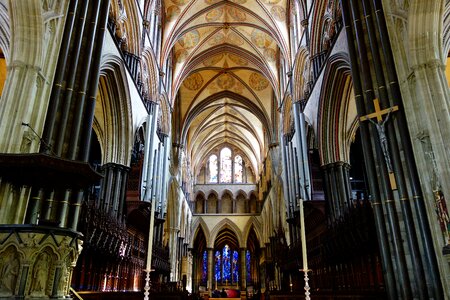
(30, 71)
(243, 269)
(173, 246)
(210, 269)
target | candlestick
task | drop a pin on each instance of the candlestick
(304, 253)
(149, 251)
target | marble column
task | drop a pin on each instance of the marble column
(210, 282)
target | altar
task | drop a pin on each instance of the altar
(232, 293)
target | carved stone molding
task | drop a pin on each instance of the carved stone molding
(36, 262)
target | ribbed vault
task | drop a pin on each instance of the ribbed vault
(226, 73)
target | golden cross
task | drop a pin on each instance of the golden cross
(381, 134)
(378, 112)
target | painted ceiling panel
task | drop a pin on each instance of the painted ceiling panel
(226, 73)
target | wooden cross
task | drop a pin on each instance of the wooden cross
(379, 125)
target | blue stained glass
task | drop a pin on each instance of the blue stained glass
(218, 266)
(204, 266)
(235, 267)
(226, 264)
(247, 264)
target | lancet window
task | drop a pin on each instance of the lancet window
(225, 167)
(226, 270)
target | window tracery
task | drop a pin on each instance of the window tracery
(225, 167)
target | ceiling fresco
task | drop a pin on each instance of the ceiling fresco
(226, 64)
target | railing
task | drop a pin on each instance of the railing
(75, 293)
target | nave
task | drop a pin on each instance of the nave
(187, 149)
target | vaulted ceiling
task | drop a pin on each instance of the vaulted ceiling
(226, 73)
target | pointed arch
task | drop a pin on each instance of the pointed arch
(337, 111)
(212, 192)
(254, 224)
(113, 119)
(132, 28)
(150, 73)
(197, 226)
(226, 191)
(301, 74)
(241, 192)
(225, 223)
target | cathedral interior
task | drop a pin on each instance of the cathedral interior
(183, 149)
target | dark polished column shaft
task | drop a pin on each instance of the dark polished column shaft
(70, 79)
(396, 160)
(83, 70)
(397, 240)
(381, 230)
(85, 141)
(50, 122)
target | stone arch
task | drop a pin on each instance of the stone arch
(254, 224)
(318, 21)
(253, 200)
(226, 202)
(125, 14)
(152, 79)
(200, 193)
(301, 75)
(197, 225)
(225, 223)
(200, 200)
(241, 192)
(241, 202)
(43, 271)
(212, 192)
(337, 111)
(5, 31)
(113, 120)
(226, 191)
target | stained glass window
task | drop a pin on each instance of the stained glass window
(225, 165)
(238, 169)
(213, 168)
(226, 264)
(218, 268)
(235, 267)
(204, 266)
(247, 264)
